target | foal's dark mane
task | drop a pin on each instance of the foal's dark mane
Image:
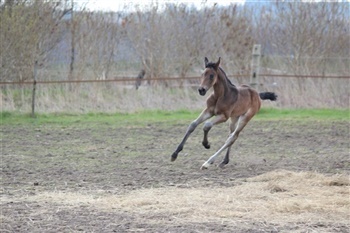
(212, 65)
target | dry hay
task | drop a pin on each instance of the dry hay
(279, 197)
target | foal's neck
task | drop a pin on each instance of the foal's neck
(222, 86)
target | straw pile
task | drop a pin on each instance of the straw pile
(279, 197)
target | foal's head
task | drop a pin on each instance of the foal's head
(209, 76)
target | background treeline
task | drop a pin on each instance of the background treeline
(67, 41)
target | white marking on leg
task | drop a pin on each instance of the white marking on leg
(212, 158)
(205, 165)
(230, 140)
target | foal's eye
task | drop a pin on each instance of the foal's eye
(211, 77)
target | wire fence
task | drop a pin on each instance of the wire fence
(132, 79)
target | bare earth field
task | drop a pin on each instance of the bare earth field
(284, 176)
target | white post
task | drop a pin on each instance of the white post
(254, 77)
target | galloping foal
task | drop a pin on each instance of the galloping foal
(239, 104)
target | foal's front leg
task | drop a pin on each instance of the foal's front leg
(205, 115)
(208, 125)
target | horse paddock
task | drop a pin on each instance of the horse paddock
(283, 176)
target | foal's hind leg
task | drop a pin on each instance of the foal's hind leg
(208, 125)
(233, 125)
(242, 122)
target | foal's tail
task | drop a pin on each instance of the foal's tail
(268, 96)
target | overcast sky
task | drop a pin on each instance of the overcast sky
(118, 5)
(112, 5)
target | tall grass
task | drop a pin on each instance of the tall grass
(113, 97)
(99, 97)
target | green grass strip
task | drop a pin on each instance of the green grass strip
(174, 117)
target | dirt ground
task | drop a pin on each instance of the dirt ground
(102, 177)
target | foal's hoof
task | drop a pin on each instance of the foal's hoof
(205, 166)
(222, 165)
(206, 145)
(173, 157)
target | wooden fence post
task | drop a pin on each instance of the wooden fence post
(34, 88)
(254, 77)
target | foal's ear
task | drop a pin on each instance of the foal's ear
(206, 61)
(217, 64)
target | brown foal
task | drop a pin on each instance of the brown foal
(239, 104)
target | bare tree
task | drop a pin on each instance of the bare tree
(233, 36)
(148, 34)
(306, 35)
(29, 32)
(96, 40)
(175, 40)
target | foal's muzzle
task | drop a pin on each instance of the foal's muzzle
(202, 91)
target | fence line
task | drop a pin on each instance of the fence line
(128, 79)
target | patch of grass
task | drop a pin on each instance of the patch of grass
(303, 114)
(138, 118)
(173, 117)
